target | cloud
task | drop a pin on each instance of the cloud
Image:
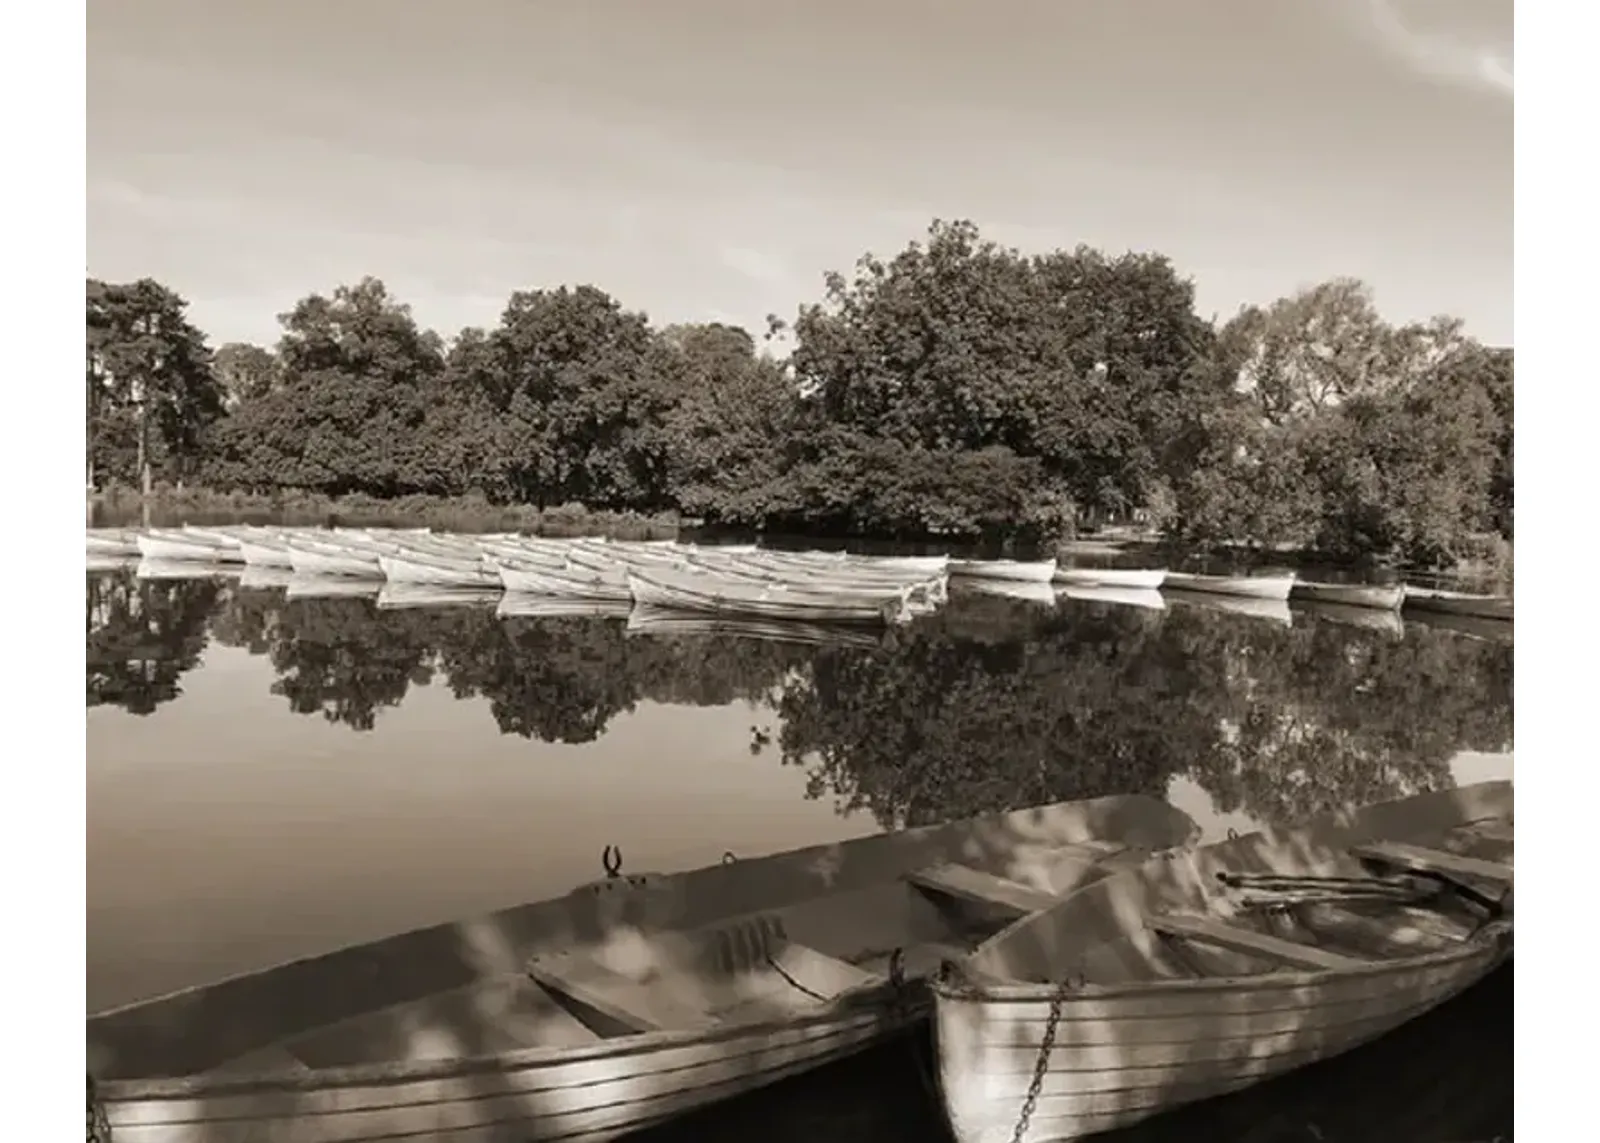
(1488, 67)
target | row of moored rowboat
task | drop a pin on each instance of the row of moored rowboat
(724, 579)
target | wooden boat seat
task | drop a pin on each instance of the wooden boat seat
(635, 1006)
(969, 884)
(1223, 935)
(1423, 860)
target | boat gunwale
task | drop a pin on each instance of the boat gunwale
(1487, 940)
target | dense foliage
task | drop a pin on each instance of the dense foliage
(958, 388)
(989, 704)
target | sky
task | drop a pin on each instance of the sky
(712, 159)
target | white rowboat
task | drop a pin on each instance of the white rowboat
(626, 1003)
(1012, 571)
(1203, 972)
(1274, 587)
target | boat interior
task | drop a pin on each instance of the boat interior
(1428, 875)
(812, 933)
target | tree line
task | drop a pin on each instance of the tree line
(990, 704)
(958, 389)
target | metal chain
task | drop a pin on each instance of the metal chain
(1030, 1102)
(99, 1122)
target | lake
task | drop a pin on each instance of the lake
(271, 777)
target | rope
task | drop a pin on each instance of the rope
(779, 969)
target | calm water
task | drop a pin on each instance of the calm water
(271, 777)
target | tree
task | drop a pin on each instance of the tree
(1310, 351)
(724, 430)
(579, 383)
(357, 377)
(1070, 361)
(246, 372)
(1335, 428)
(149, 381)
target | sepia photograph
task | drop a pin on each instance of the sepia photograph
(700, 571)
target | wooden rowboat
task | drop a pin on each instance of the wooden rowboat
(1204, 972)
(415, 566)
(930, 565)
(171, 544)
(225, 538)
(713, 594)
(346, 557)
(110, 543)
(921, 587)
(261, 548)
(1014, 571)
(1137, 579)
(1380, 597)
(573, 581)
(628, 1002)
(1273, 587)
(1459, 603)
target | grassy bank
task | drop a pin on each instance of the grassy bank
(189, 505)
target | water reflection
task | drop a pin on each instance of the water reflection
(992, 703)
(336, 830)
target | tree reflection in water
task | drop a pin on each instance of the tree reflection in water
(990, 704)
(143, 636)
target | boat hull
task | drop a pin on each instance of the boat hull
(1379, 597)
(1012, 571)
(1120, 1060)
(322, 562)
(259, 555)
(576, 582)
(1131, 1029)
(1460, 603)
(108, 544)
(436, 572)
(589, 1094)
(168, 547)
(1270, 587)
(1134, 579)
(709, 595)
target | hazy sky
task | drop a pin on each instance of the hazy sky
(710, 159)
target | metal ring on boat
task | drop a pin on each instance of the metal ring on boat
(727, 857)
